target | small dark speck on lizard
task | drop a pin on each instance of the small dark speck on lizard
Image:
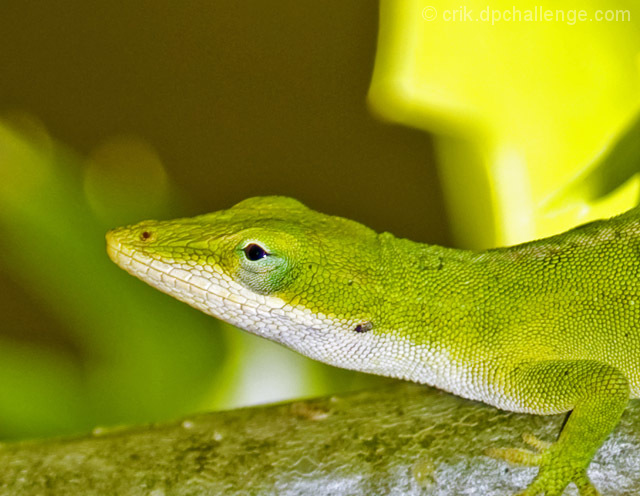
(364, 327)
(145, 235)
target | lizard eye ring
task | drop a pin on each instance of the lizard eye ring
(255, 252)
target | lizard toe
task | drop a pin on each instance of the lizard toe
(515, 456)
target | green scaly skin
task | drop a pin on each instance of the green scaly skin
(544, 327)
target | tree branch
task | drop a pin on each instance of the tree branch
(401, 439)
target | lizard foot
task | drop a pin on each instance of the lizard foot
(553, 475)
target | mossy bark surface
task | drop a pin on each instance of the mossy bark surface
(402, 439)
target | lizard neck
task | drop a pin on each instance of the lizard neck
(429, 282)
(436, 298)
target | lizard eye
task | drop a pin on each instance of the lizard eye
(254, 252)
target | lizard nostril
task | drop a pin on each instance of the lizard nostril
(145, 235)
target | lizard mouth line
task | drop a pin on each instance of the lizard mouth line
(153, 273)
(217, 297)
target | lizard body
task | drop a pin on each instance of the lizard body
(544, 327)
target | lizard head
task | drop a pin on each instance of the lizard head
(270, 266)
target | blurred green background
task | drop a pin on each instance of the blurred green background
(114, 111)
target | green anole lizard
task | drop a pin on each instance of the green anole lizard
(544, 327)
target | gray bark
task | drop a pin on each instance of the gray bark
(402, 439)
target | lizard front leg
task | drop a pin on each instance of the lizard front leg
(596, 393)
